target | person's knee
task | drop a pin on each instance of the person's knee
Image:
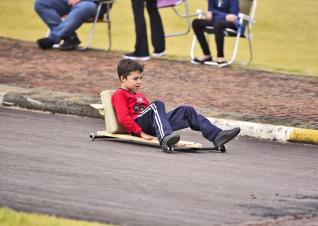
(158, 103)
(87, 9)
(188, 109)
(219, 25)
(195, 24)
(39, 4)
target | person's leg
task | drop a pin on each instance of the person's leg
(141, 45)
(219, 27)
(153, 120)
(198, 26)
(51, 11)
(79, 13)
(186, 116)
(157, 31)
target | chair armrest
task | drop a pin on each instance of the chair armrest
(246, 17)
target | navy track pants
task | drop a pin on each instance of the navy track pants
(156, 122)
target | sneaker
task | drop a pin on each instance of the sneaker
(225, 136)
(132, 56)
(158, 55)
(70, 43)
(170, 140)
(45, 43)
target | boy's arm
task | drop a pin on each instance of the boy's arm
(120, 105)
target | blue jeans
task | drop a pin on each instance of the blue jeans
(51, 12)
(156, 122)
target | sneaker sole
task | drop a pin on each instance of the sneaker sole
(137, 58)
(212, 63)
(233, 135)
(223, 65)
(173, 140)
(158, 55)
(194, 62)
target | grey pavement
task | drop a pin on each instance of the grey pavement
(48, 165)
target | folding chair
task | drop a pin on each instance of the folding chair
(246, 20)
(184, 15)
(102, 15)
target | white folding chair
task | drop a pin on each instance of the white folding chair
(246, 20)
(184, 15)
(102, 15)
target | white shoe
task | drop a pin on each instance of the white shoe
(158, 55)
(133, 57)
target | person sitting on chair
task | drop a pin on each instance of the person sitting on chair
(150, 120)
(221, 14)
(51, 11)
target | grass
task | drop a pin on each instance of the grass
(284, 36)
(10, 217)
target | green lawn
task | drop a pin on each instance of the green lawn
(10, 217)
(285, 38)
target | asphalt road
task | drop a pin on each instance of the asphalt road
(48, 165)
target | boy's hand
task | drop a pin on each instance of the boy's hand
(231, 18)
(209, 15)
(146, 136)
(73, 2)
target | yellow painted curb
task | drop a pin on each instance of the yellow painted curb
(304, 135)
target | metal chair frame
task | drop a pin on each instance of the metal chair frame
(182, 14)
(105, 19)
(246, 18)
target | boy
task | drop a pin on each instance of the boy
(140, 118)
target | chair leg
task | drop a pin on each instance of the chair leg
(194, 40)
(187, 16)
(92, 30)
(109, 35)
(250, 47)
(235, 50)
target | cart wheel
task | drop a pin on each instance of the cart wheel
(167, 149)
(92, 137)
(221, 148)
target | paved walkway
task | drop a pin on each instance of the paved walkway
(233, 93)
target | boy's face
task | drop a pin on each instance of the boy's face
(132, 82)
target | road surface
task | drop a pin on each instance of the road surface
(48, 165)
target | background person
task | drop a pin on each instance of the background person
(52, 11)
(221, 14)
(141, 51)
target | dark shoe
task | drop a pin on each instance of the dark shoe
(45, 43)
(70, 43)
(225, 136)
(198, 61)
(133, 56)
(222, 64)
(170, 140)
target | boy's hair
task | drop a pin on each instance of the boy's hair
(126, 66)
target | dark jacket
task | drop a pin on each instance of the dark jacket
(220, 8)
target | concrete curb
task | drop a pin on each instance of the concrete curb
(271, 132)
(78, 104)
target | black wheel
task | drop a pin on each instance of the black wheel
(221, 148)
(165, 148)
(91, 136)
